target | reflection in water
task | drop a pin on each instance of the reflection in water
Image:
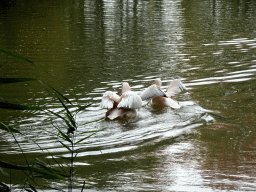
(95, 45)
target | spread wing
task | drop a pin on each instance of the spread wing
(130, 100)
(108, 99)
(172, 103)
(175, 87)
(152, 92)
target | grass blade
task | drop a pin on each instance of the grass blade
(96, 131)
(83, 187)
(57, 115)
(4, 172)
(42, 172)
(32, 187)
(85, 138)
(63, 135)
(8, 128)
(6, 105)
(64, 145)
(92, 121)
(65, 98)
(29, 190)
(80, 108)
(69, 115)
(15, 80)
(15, 55)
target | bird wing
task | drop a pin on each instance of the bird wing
(171, 103)
(152, 92)
(125, 87)
(175, 87)
(130, 100)
(108, 99)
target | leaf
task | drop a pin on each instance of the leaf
(15, 80)
(64, 136)
(83, 187)
(40, 163)
(57, 115)
(93, 121)
(6, 105)
(71, 119)
(96, 131)
(66, 146)
(4, 172)
(15, 55)
(85, 138)
(32, 187)
(69, 115)
(12, 166)
(46, 170)
(29, 190)
(65, 98)
(20, 181)
(80, 108)
(42, 172)
(8, 128)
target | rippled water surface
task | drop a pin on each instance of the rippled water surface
(92, 46)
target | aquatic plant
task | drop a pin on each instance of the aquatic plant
(66, 135)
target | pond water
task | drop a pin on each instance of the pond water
(92, 46)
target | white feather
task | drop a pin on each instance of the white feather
(108, 99)
(130, 100)
(106, 103)
(172, 103)
(152, 92)
(176, 86)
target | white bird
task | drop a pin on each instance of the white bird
(126, 104)
(174, 87)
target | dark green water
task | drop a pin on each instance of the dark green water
(94, 45)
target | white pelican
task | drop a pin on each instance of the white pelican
(174, 87)
(126, 104)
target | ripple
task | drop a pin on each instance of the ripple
(234, 76)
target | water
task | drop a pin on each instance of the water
(92, 46)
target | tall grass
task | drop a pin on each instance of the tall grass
(66, 135)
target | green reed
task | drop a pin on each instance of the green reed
(66, 135)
